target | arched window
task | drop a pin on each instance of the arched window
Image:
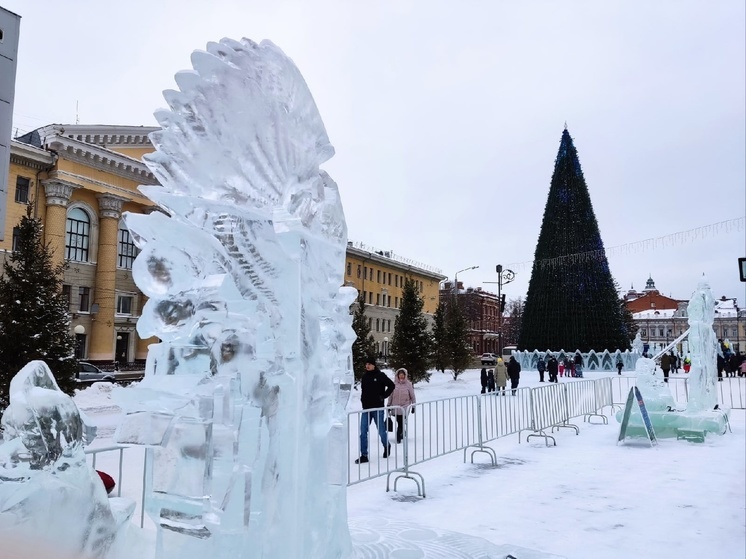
(77, 235)
(127, 251)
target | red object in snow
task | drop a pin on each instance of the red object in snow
(107, 479)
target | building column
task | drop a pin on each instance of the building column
(58, 195)
(102, 331)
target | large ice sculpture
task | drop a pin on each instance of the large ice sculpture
(52, 504)
(703, 347)
(242, 404)
(702, 414)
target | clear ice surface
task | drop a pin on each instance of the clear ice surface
(52, 504)
(242, 408)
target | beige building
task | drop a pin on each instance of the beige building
(82, 179)
(380, 275)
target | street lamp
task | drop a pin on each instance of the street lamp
(455, 277)
(386, 350)
(504, 277)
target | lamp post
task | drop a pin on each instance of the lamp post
(504, 277)
(386, 350)
(455, 278)
(455, 287)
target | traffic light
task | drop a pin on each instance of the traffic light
(502, 303)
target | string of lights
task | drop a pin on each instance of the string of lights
(673, 239)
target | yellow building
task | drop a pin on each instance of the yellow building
(83, 178)
(380, 276)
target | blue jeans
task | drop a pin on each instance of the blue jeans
(365, 418)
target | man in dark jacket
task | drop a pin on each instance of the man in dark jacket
(552, 368)
(541, 367)
(514, 372)
(375, 387)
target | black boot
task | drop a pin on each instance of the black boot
(362, 460)
(387, 450)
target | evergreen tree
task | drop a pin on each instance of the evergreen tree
(571, 301)
(364, 345)
(628, 320)
(412, 344)
(440, 339)
(34, 322)
(457, 335)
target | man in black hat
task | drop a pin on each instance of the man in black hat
(375, 387)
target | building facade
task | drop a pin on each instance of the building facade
(10, 27)
(380, 275)
(82, 179)
(661, 319)
(481, 309)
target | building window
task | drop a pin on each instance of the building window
(389, 278)
(378, 298)
(379, 276)
(389, 325)
(67, 295)
(359, 271)
(378, 324)
(365, 272)
(127, 249)
(349, 268)
(396, 280)
(124, 304)
(16, 239)
(84, 299)
(22, 187)
(77, 235)
(370, 297)
(396, 302)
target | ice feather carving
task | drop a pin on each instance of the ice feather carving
(226, 150)
(244, 276)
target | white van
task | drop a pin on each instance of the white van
(508, 352)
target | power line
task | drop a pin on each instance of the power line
(673, 239)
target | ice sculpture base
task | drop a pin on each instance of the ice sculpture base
(378, 538)
(671, 424)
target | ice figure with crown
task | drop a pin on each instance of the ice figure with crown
(242, 404)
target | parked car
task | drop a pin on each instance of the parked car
(89, 373)
(488, 359)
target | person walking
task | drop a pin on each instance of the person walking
(578, 370)
(541, 367)
(561, 368)
(401, 397)
(687, 364)
(665, 366)
(501, 375)
(552, 368)
(619, 364)
(483, 380)
(375, 387)
(514, 372)
(720, 366)
(490, 380)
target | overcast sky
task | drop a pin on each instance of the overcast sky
(447, 116)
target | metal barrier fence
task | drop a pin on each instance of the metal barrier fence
(731, 391)
(92, 455)
(467, 423)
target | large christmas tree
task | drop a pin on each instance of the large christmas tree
(571, 302)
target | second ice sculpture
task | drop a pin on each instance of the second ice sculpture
(702, 414)
(242, 404)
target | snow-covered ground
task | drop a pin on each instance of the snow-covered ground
(587, 497)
